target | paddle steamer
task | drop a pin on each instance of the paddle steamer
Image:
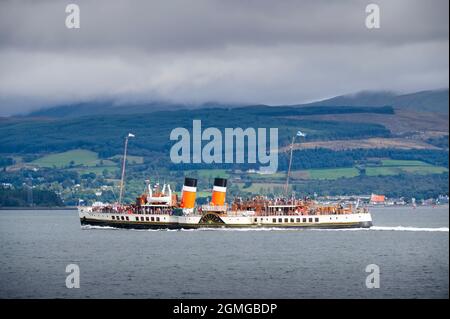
(161, 209)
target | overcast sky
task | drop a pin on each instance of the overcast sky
(228, 51)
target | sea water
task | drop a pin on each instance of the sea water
(410, 247)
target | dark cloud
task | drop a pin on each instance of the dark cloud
(226, 51)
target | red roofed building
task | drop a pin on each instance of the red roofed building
(377, 199)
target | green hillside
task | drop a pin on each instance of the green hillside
(22, 198)
(69, 158)
(435, 101)
(103, 134)
(81, 157)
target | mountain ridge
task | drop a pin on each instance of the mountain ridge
(434, 101)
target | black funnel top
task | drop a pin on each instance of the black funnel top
(192, 182)
(222, 182)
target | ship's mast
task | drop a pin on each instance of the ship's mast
(286, 188)
(299, 133)
(123, 167)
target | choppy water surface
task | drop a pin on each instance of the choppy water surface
(411, 247)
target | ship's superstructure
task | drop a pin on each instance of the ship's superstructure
(161, 209)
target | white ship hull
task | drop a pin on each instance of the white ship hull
(212, 220)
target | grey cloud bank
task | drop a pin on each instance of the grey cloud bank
(272, 52)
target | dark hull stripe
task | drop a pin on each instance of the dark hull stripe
(149, 225)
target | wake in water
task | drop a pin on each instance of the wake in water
(391, 228)
(97, 227)
(407, 228)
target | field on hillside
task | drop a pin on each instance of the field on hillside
(208, 173)
(82, 161)
(331, 173)
(395, 167)
(130, 159)
(369, 143)
(396, 170)
(400, 122)
(69, 158)
(386, 167)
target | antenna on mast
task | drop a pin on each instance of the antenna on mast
(123, 167)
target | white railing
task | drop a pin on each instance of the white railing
(214, 208)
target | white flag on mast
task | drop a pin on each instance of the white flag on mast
(131, 135)
(300, 133)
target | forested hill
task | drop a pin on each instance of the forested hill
(22, 197)
(103, 134)
(435, 101)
